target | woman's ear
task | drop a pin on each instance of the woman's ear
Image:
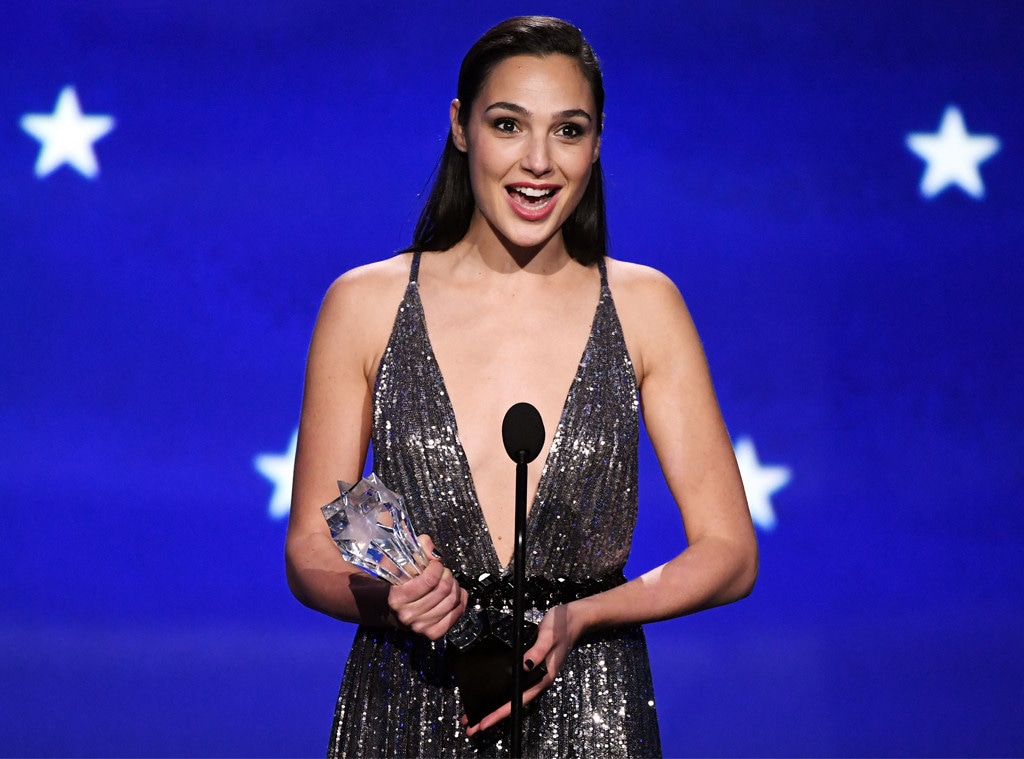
(458, 133)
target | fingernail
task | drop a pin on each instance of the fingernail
(436, 555)
(542, 668)
(529, 665)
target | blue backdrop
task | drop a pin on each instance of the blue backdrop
(835, 187)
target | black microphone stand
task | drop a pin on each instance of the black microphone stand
(522, 432)
(519, 579)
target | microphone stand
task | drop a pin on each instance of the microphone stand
(522, 432)
(518, 601)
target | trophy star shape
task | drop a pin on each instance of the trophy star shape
(368, 522)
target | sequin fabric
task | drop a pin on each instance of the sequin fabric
(398, 698)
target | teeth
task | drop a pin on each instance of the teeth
(532, 192)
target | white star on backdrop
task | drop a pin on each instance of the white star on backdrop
(278, 468)
(759, 483)
(66, 136)
(952, 155)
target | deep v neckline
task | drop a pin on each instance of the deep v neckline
(532, 515)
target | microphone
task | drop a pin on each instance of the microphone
(522, 431)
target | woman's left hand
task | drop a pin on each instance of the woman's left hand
(556, 635)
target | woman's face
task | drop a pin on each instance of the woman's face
(532, 140)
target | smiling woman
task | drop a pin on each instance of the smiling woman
(514, 229)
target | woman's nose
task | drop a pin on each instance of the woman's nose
(537, 158)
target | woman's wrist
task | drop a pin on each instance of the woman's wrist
(584, 615)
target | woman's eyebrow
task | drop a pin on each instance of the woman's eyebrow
(575, 113)
(503, 105)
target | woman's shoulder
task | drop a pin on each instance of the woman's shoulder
(641, 286)
(654, 318)
(363, 301)
(382, 276)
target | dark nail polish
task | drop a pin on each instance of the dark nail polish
(436, 555)
(529, 665)
(542, 669)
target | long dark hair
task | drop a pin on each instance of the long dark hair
(449, 208)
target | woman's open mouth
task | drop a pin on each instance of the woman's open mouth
(530, 202)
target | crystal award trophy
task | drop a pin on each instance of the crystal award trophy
(369, 524)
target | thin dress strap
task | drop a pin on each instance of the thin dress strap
(414, 269)
(604, 273)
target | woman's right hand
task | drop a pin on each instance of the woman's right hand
(430, 603)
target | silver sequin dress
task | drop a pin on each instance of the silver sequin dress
(398, 698)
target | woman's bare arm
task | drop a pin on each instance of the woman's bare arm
(682, 417)
(334, 431)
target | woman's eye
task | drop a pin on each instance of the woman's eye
(506, 126)
(570, 131)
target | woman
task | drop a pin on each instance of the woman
(504, 287)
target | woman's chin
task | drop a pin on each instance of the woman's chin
(523, 236)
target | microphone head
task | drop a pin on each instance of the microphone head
(522, 431)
